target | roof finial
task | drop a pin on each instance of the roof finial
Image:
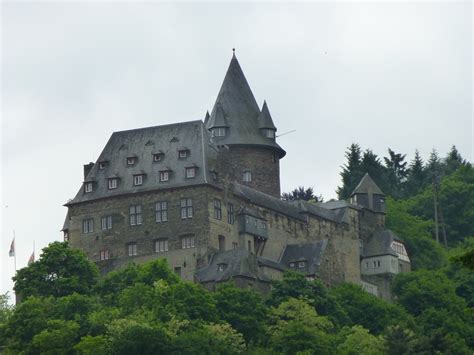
(233, 52)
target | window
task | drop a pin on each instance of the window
(264, 225)
(217, 209)
(161, 211)
(183, 154)
(230, 213)
(235, 245)
(292, 264)
(301, 264)
(186, 208)
(132, 249)
(187, 242)
(157, 157)
(366, 265)
(106, 222)
(112, 183)
(221, 243)
(164, 176)
(247, 176)
(88, 225)
(269, 133)
(102, 165)
(131, 160)
(161, 245)
(135, 215)
(104, 254)
(221, 267)
(88, 187)
(218, 132)
(249, 245)
(190, 172)
(137, 180)
(376, 264)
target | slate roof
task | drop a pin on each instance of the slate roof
(217, 118)
(262, 199)
(367, 185)
(265, 119)
(239, 262)
(316, 210)
(66, 223)
(251, 212)
(143, 143)
(311, 253)
(241, 111)
(333, 205)
(380, 244)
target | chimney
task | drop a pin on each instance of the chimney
(87, 169)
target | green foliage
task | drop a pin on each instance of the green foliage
(295, 285)
(300, 193)
(296, 327)
(367, 310)
(60, 271)
(424, 252)
(58, 338)
(92, 345)
(358, 341)
(243, 309)
(399, 340)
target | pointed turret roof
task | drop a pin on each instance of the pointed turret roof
(206, 118)
(217, 118)
(236, 106)
(265, 119)
(367, 185)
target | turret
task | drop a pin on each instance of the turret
(249, 153)
(368, 195)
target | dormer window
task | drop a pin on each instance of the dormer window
(292, 265)
(164, 176)
(268, 133)
(218, 132)
(190, 172)
(137, 180)
(301, 265)
(221, 267)
(102, 165)
(112, 184)
(157, 157)
(88, 186)
(247, 176)
(131, 161)
(183, 153)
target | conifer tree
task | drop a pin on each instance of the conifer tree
(396, 173)
(452, 161)
(416, 179)
(351, 171)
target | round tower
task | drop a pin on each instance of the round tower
(245, 135)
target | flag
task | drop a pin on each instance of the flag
(12, 248)
(31, 260)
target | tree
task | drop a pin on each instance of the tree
(358, 341)
(60, 271)
(295, 285)
(301, 193)
(351, 171)
(416, 178)
(296, 327)
(396, 173)
(58, 338)
(93, 345)
(399, 340)
(453, 161)
(243, 309)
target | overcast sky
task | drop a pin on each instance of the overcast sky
(380, 74)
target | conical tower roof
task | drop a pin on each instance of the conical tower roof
(217, 118)
(240, 111)
(206, 118)
(265, 119)
(367, 185)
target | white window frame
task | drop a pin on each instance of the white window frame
(183, 154)
(102, 165)
(135, 215)
(137, 180)
(104, 254)
(217, 209)
(157, 157)
(132, 249)
(190, 172)
(106, 222)
(161, 211)
(88, 187)
(188, 242)
(161, 245)
(230, 213)
(247, 176)
(131, 160)
(186, 208)
(301, 265)
(112, 184)
(164, 176)
(219, 132)
(87, 225)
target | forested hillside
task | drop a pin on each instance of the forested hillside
(67, 308)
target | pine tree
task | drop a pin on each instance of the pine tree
(396, 173)
(453, 161)
(416, 179)
(371, 164)
(351, 171)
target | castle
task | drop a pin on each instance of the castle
(206, 196)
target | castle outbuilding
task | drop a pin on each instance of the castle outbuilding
(206, 196)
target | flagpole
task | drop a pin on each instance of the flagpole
(14, 254)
